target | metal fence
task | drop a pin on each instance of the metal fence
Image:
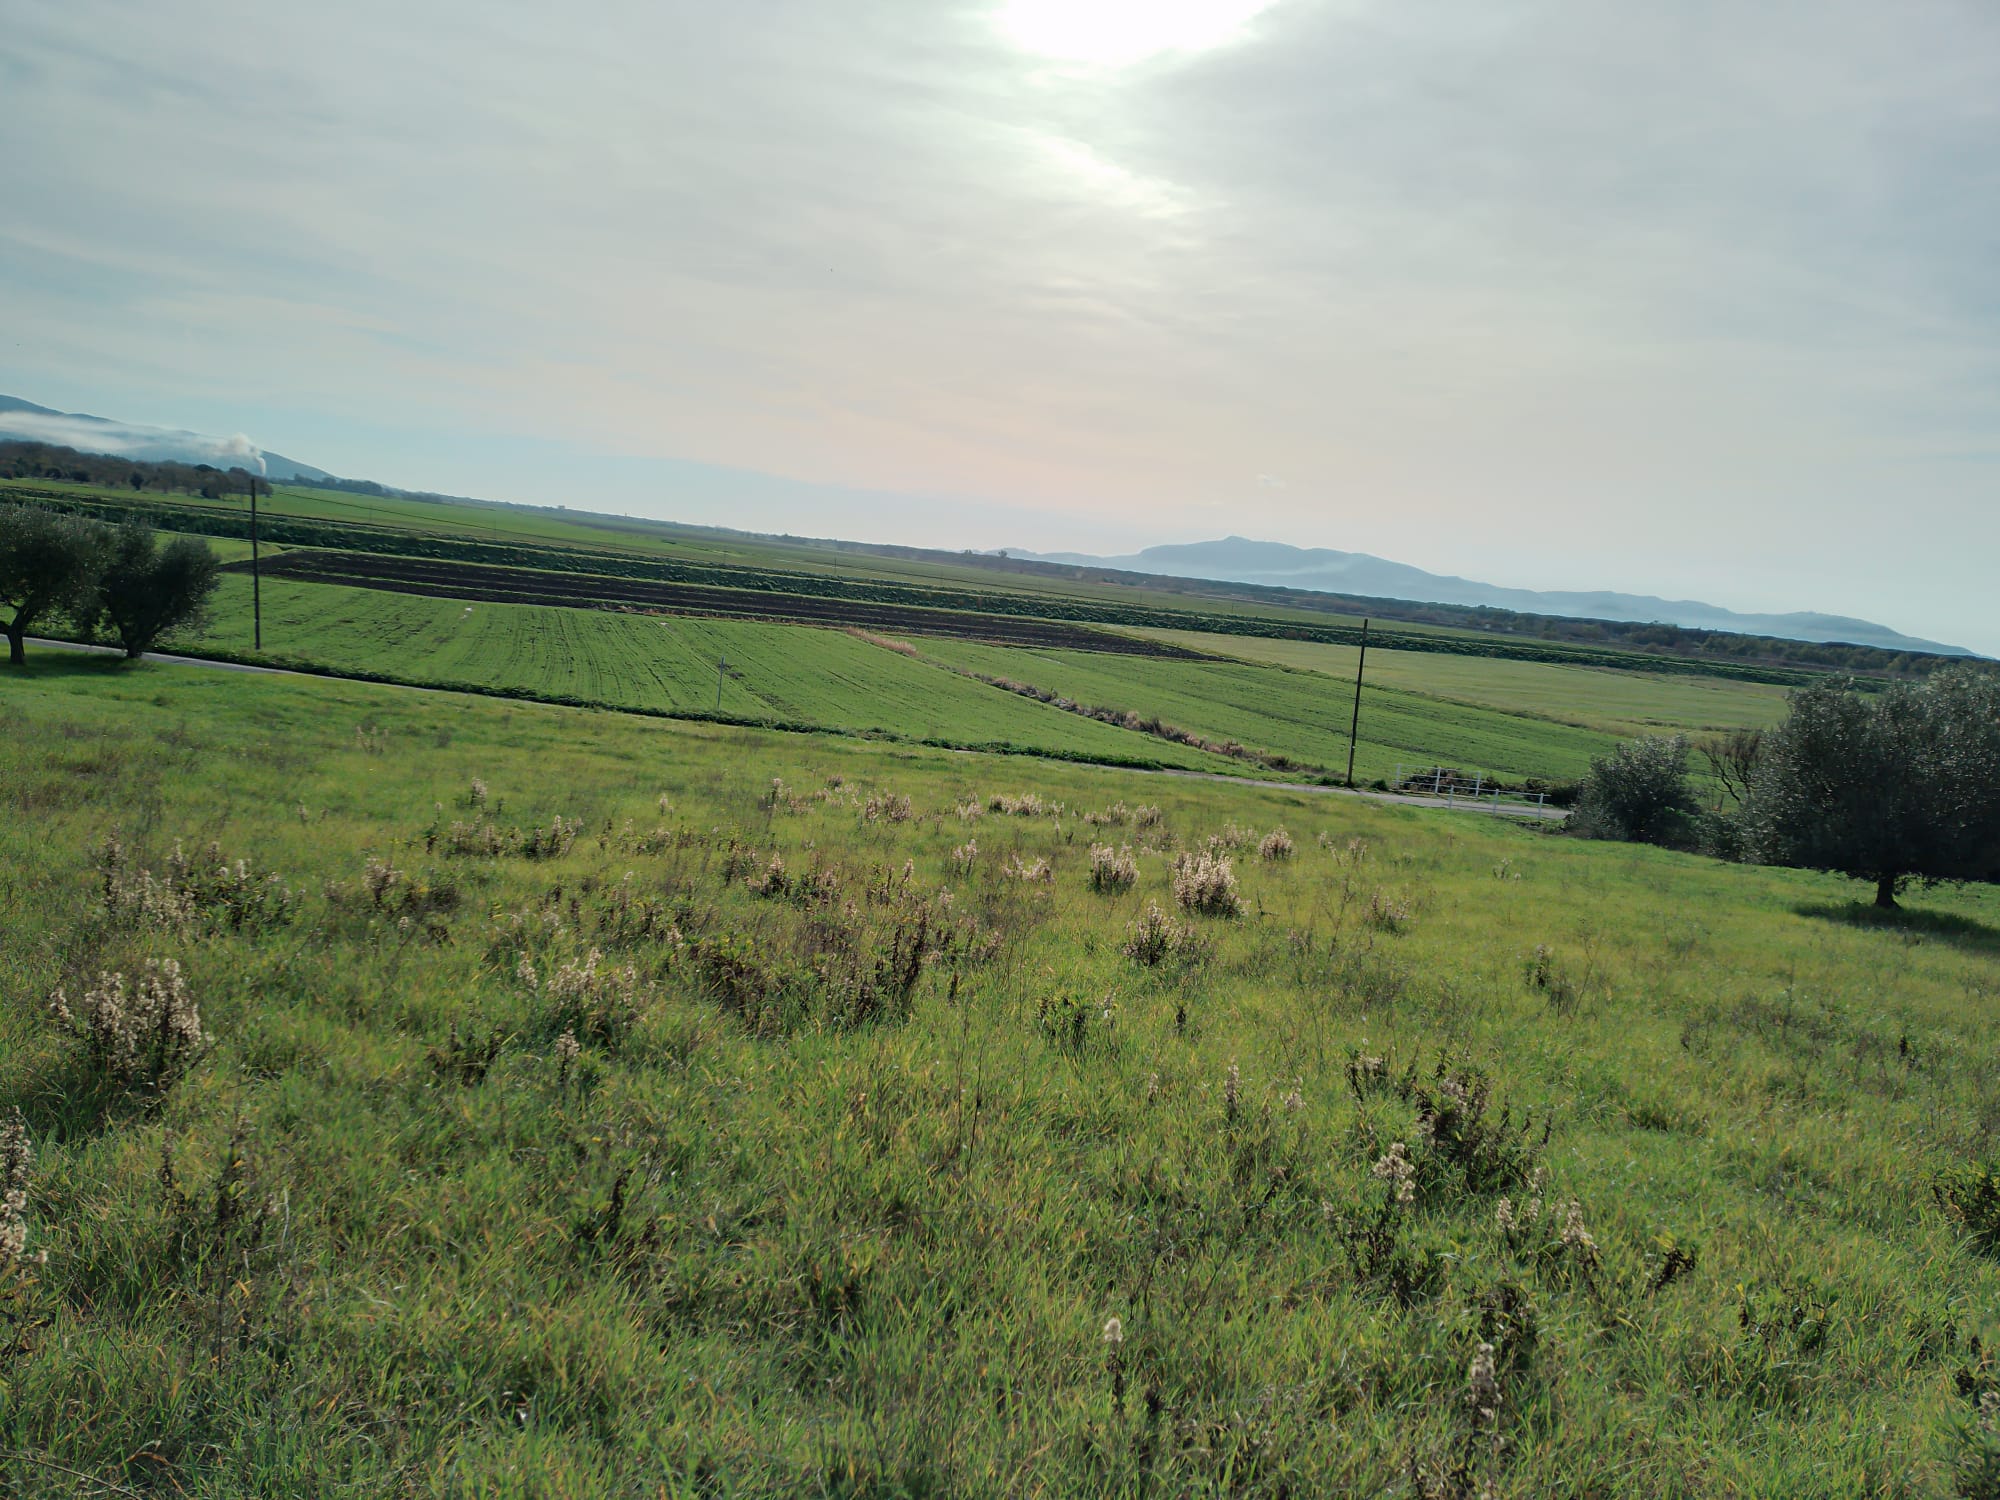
(1475, 788)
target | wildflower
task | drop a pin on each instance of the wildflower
(1503, 1216)
(476, 794)
(1396, 1170)
(1293, 1102)
(1232, 1089)
(1114, 1332)
(1152, 1085)
(1482, 1387)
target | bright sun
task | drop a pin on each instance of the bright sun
(1118, 33)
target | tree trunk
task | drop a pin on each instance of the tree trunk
(17, 646)
(1885, 893)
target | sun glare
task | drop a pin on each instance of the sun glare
(1119, 33)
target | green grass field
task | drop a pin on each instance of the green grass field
(1304, 714)
(843, 1183)
(1610, 700)
(793, 674)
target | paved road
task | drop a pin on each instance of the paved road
(1504, 809)
(178, 661)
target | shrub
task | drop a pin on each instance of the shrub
(139, 1033)
(1638, 793)
(1112, 870)
(1204, 883)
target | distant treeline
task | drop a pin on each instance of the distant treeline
(25, 460)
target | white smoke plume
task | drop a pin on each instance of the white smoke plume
(154, 444)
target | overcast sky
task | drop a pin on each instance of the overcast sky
(1690, 297)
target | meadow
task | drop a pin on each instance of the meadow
(1302, 714)
(584, 1105)
(792, 674)
(1610, 700)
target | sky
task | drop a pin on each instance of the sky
(1691, 298)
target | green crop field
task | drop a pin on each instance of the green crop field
(1297, 713)
(1614, 701)
(825, 1138)
(792, 674)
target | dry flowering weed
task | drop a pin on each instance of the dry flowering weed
(587, 997)
(1022, 805)
(1205, 883)
(1482, 1387)
(1035, 871)
(225, 892)
(141, 1032)
(1396, 1169)
(1156, 937)
(17, 1159)
(1276, 845)
(964, 857)
(886, 807)
(1112, 870)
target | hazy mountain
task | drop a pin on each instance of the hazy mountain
(1239, 560)
(87, 434)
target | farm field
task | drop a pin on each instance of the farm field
(792, 674)
(1298, 713)
(797, 1139)
(1611, 700)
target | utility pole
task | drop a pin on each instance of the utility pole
(256, 576)
(1354, 729)
(721, 666)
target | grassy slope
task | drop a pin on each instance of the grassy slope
(1301, 713)
(878, 1260)
(1615, 701)
(790, 673)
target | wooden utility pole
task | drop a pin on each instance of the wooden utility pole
(721, 666)
(256, 576)
(1354, 728)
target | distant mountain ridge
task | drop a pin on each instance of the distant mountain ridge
(87, 434)
(1238, 559)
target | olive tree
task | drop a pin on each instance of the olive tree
(1904, 787)
(144, 590)
(48, 563)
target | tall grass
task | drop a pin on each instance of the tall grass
(743, 1143)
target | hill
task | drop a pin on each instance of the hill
(1238, 559)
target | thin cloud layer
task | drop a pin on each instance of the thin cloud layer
(1683, 300)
